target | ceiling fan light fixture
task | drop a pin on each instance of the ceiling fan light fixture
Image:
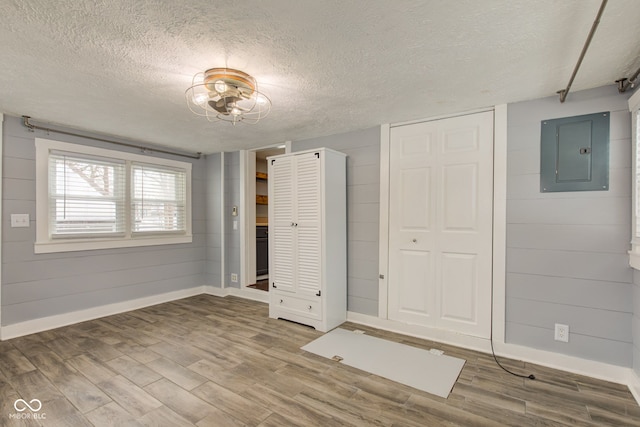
(228, 95)
(200, 99)
(220, 86)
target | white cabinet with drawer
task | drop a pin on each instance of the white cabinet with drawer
(299, 306)
(308, 238)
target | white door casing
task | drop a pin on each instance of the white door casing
(247, 218)
(440, 224)
(1, 186)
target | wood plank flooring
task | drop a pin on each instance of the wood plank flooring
(210, 361)
(263, 285)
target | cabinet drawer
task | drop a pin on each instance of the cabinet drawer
(301, 307)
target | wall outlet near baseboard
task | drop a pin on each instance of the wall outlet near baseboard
(561, 333)
(234, 277)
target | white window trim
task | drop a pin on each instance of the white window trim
(44, 244)
(634, 253)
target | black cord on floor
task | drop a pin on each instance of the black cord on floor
(530, 376)
(493, 353)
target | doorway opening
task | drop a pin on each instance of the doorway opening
(256, 225)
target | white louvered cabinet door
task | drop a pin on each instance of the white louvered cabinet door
(281, 225)
(307, 224)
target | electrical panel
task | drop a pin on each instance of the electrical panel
(574, 153)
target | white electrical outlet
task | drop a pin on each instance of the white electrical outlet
(234, 277)
(561, 333)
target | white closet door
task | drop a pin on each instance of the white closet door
(308, 223)
(281, 224)
(412, 219)
(440, 224)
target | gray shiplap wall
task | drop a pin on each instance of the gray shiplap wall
(231, 198)
(36, 286)
(214, 217)
(567, 256)
(363, 206)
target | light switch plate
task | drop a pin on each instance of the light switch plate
(19, 220)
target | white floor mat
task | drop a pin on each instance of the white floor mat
(421, 369)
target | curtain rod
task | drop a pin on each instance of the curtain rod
(32, 127)
(564, 92)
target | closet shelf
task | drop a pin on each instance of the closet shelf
(262, 200)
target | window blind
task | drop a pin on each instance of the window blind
(159, 199)
(86, 195)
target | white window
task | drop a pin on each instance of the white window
(86, 196)
(92, 198)
(634, 106)
(158, 199)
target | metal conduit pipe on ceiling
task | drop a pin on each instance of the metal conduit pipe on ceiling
(564, 92)
(624, 83)
(32, 127)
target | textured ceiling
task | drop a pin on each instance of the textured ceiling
(121, 67)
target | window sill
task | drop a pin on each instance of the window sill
(94, 244)
(634, 260)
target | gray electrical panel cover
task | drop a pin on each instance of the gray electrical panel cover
(574, 153)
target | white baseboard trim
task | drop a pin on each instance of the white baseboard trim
(439, 335)
(52, 322)
(246, 293)
(216, 291)
(573, 364)
(634, 385)
(576, 365)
